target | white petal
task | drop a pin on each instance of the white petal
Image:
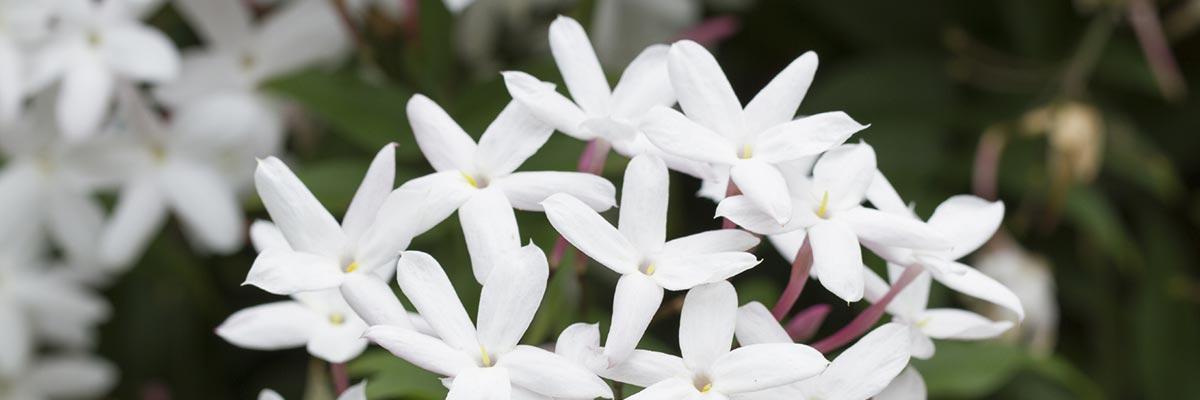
(948, 323)
(844, 173)
(511, 138)
(444, 143)
(140, 212)
(374, 301)
(685, 271)
(272, 326)
(356, 392)
(877, 228)
(591, 234)
(11, 76)
(16, 341)
(671, 389)
(645, 368)
(805, 137)
(913, 300)
(298, 35)
(580, 343)
(527, 190)
(968, 222)
(644, 84)
(706, 324)
(909, 385)
(447, 191)
(884, 197)
(282, 271)
(481, 384)
(84, 98)
(763, 366)
(511, 296)
(704, 91)
(426, 285)
(747, 214)
(268, 394)
(548, 105)
(756, 325)
(921, 345)
(763, 184)
(338, 343)
(788, 244)
(837, 259)
(72, 376)
(371, 193)
(206, 204)
(265, 235)
(971, 282)
(720, 240)
(392, 229)
(777, 102)
(866, 368)
(676, 134)
(305, 223)
(76, 220)
(223, 24)
(423, 351)
(644, 195)
(551, 375)
(141, 53)
(490, 228)
(635, 301)
(578, 64)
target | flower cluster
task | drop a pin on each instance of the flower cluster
(795, 180)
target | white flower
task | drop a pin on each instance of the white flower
(597, 111)
(638, 250)
(751, 141)
(97, 43)
(22, 22)
(321, 254)
(318, 320)
(485, 363)
(478, 180)
(909, 308)
(60, 377)
(709, 369)
(909, 385)
(861, 371)
(1032, 279)
(622, 28)
(827, 211)
(169, 168)
(356, 392)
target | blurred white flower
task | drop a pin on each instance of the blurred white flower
(708, 368)
(1029, 276)
(168, 167)
(638, 250)
(909, 385)
(860, 372)
(317, 253)
(22, 23)
(356, 392)
(319, 320)
(828, 209)
(60, 377)
(622, 28)
(749, 141)
(96, 44)
(485, 363)
(479, 182)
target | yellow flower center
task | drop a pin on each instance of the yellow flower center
(824, 204)
(650, 270)
(470, 180)
(352, 267)
(337, 318)
(487, 360)
(746, 151)
(706, 388)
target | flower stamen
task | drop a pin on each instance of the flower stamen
(706, 388)
(650, 269)
(746, 151)
(352, 267)
(337, 318)
(824, 204)
(470, 180)
(487, 360)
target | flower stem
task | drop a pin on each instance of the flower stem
(805, 324)
(341, 380)
(1144, 19)
(801, 266)
(864, 321)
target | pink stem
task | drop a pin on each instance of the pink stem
(560, 251)
(987, 164)
(713, 30)
(411, 25)
(592, 160)
(1148, 29)
(801, 266)
(804, 325)
(730, 191)
(864, 321)
(341, 380)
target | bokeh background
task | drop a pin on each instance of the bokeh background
(1065, 110)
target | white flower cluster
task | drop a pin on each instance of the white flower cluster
(792, 179)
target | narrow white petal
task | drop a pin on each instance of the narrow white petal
(971, 282)
(446, 192)
(920, 345)
(85, 94)
(141, 53)
(511, 296)
(837, 259)
(635, 301)
(788, 244)
(866, 368)
(552, 375)
(747, 214)
(76, 221)
(756, 325)
(140, 212)
(426, 285)
(206, 204)
(71, 376)
(374, 301)
(265, 235)
(644, 84)
(223, 24)
(282, 271)
(676, 134)
(884, 197)
(763, 366)
(446, 145)
(548, 105)
(305, 223)
(805, 137)
(909, 385)
(645, 368)
(644, 195)
(706, 324)
(578, 64)
(268, 394)
(591, 234)
(338, 343)
(671, 389)
(683, 271)
(913, 300)
(272, 326)
(845, 173)
(704, 91)
(392, 229)
(527, 190)
(11, 80)
(16, 340)
(763, 184)
(968, 222)
(298, 35)
(481, 384)
(777, 102)
(877, 228)
(580, 343)
(356, 392)
(490, 228)
(423, 351)
(715, 241)
(511, 138)
(371, 193)
(949, 323)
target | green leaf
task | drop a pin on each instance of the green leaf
(368, 115)
(390, 377)
(969, 370)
